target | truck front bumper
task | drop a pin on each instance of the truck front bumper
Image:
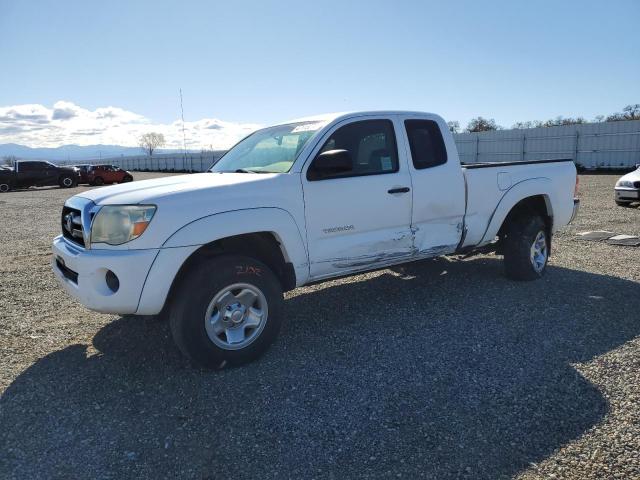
(84, 274)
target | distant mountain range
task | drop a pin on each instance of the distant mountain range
(71, 152)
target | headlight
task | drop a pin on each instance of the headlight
(624, 183)
(118, 224)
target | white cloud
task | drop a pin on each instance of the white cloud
(67, 123)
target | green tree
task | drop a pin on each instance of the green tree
(480, 124)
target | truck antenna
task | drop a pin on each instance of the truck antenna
(184, 137)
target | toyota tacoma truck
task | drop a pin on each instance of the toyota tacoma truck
(296, 203)
(27, 174)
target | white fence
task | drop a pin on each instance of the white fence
(607, 145)
(191, 162)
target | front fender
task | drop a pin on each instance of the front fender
(237, 222)
(519, 191)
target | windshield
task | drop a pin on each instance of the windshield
(271, 150)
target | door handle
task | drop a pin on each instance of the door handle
(399, 190)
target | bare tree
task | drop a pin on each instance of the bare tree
(150, 141)
(527, 124)
(481, 124)
(560, 120)
(454, 126)
(630, 112)
(10, 160)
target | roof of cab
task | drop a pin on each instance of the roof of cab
(330, 117)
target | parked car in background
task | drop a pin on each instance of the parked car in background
(101, 174)
(627, 189)
(298, 203)
(30, 173)
(83, 169)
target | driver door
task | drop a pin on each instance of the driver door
(360, 219)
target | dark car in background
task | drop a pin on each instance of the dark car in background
(28, 173)
(101, 174)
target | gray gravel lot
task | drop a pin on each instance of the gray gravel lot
(440, 369)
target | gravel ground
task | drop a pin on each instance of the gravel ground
(440, 369)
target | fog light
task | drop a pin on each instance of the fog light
(112, 281)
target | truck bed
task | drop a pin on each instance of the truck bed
(489, 183)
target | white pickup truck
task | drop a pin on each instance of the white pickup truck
(296, 203)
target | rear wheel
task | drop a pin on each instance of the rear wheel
(98, 181)
(622, 204)
(4, 187)
(526, 248)
(67, 181)
(227, 311)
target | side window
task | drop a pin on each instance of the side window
(371, 146)
(426, 143)
(30, 166)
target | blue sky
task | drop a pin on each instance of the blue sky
(242, 63)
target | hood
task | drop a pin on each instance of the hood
(156, 190)
(182, 199)
(632, 176)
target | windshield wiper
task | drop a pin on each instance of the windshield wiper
(241, 170)
(248, 170)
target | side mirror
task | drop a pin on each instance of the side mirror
(330, 164)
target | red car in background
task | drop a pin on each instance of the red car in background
(101, 174)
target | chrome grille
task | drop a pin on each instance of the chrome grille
(72, 225)
(76, 218)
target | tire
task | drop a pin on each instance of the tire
(526, 248)
(67, 181)
(4, 187)
(623, 204)
(127, 178)
(201, 298)
(98, 181)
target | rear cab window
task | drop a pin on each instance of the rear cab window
(426, 143)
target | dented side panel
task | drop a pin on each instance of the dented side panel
(437, 218)
(357, 223)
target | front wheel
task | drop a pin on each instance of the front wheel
(526, 248)
(227, 311)
(4, 187)
(67, 181)
(622, 204)
(127, 178)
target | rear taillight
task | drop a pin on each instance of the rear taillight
(575, 190)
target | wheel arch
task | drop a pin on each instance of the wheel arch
(274, 240)
(535, 204)
(533, 195)
(262, 246)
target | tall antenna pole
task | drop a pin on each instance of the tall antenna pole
(184, 137)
